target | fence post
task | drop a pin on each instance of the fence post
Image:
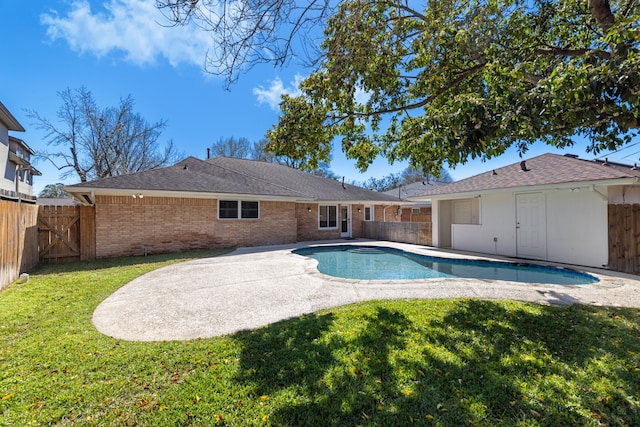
(87, 233)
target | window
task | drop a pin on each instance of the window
(327, 217)
(368, 213)
(466, 211)
(228, 209)
(415, 211)
(250, 210)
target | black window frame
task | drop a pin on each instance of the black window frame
(330, 223)
(238, 209)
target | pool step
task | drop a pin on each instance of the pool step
(367, 251)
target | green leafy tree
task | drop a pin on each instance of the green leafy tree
(54, 191)
(407, 176)
(95, 142)
(411, 175)
(442, 81)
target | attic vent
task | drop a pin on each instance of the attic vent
(606, 162)
(185, 167)
(573, 156)
(493, 172)
(635, 167)
(523, 166)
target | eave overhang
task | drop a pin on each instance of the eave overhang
(87, 195)
(530, 188)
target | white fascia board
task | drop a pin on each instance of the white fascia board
(358, 202)
(532, 188)
(79, 191)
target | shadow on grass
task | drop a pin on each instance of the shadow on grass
(105, 263)
(482, 362)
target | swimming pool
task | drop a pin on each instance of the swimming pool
(382, 263)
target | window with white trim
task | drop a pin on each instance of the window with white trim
(368, 213)
(238, 209)
(466, 211)
(327, 217)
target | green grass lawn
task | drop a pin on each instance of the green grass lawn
(382, 363)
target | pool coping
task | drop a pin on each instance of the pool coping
(256, 286)
(471, 261)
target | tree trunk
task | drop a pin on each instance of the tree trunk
(601, 11)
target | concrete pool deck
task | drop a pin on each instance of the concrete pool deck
(253, 287)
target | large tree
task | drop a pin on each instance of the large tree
(450, 80)
(54, 191)
(94, 142)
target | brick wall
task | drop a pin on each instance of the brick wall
(308, 224)
(277, 225)
(126, 226)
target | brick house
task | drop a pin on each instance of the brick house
(223, 202)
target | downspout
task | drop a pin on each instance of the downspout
(602, 196)
(17, 182)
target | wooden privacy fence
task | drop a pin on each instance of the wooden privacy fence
(418, 233)
(421, 217)
(18, 240)
(624, 238)
(66, 234)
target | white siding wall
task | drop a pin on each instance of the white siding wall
(5, 183)
(577, 231)
(497, 220)
(577, 227)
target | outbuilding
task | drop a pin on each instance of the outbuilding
(550, 207)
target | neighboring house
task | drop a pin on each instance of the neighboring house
(550, 207)
(414, 211)
(224, 202)
(16, 171)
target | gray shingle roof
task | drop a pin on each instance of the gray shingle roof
(9, 120)
(225, 175)
(546, 169)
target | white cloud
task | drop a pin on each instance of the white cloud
(271, 95)
(133, 27)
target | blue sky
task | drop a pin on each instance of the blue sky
(117, 48)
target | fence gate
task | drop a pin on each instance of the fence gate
(66, 234)
(624, 238)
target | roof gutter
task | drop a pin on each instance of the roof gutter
(87, 196)
(557, 186)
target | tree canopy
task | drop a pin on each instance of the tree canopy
(447, 80)
(407, 176)
(242, 148)
(461, 80)
(54, 191)
(99, 142)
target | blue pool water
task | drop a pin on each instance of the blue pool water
(379, 263)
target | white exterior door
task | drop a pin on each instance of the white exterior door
(531, 226)
(345, 221)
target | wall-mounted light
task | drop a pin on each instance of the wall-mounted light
(308, 209)
(138, 196)
(358, 210)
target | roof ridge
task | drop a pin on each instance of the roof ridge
(252, 176)
(594, 163)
